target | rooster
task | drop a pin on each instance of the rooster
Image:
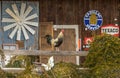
(57, 41)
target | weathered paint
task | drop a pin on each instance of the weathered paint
(4, 36)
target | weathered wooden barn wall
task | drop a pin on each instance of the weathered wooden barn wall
(72, 12)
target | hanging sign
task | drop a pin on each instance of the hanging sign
(110, 29)
(93, 20)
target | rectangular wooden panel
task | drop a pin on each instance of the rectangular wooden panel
(45, 29)
(69, 44)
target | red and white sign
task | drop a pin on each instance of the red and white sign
(88, 40)
(110, 29)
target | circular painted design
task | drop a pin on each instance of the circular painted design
(93, 20)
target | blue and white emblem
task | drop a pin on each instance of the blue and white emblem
(93, 20)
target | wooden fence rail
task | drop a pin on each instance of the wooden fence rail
(39, 52)
(49, 53)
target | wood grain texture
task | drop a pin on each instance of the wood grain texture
(71, 12)
(68, 12)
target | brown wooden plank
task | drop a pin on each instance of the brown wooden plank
(45, 28)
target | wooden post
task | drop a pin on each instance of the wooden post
(52, 37)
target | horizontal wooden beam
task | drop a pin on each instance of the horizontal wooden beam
(49, 53)
(13, 70)
(19, 70)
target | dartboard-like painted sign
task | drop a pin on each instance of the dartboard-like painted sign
(93, 20)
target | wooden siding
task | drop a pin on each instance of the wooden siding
(45, 29)
(73, 11)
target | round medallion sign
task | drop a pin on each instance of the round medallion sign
(93, 20)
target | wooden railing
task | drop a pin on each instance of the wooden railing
(39, 52)
(49, 53)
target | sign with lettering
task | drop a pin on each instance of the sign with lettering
(110, 29)
(93, 20)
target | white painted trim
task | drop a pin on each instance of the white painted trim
(13, 70)
(76, 32)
